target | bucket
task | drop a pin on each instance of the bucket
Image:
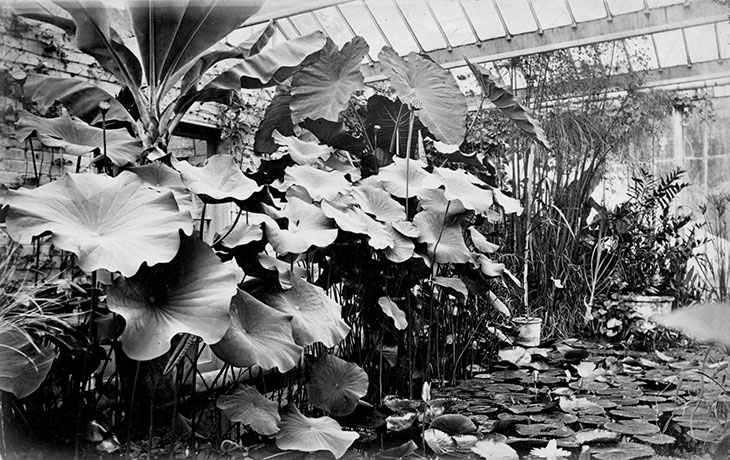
(529, 328)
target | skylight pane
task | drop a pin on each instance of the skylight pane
(240, 35)
(423, 25)
(516, 14)
(723, 36)
(393, 26)
(363, 26)
(551, 13)
(466, 81)
(587, 10)
(670, 48)
(453, 22)
(702, 43)
(484, 18)
(305, 23)
(641, 53)
(287, 28)
(334, 26)
(613, 57)
(660, 3)
(625, 6)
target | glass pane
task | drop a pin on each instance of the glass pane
(670, 48)
(484, 18)
(551, 13)
(613, 57)
(702, 43)
(516, 14)
(334, 26)
(466, 81)
(641, 53)
(363, 26)
(587, 10)
(305, 23)
(392, 25)
(625, 6)
(287, 27)
(453, 22)
(240, 35)
(423, 25)
(723, 36)
(660, 3)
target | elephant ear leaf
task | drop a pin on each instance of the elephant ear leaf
(508, 104)
(77, 138)
(443, 106)
(277, 117)
(247, 406)
(323, 89)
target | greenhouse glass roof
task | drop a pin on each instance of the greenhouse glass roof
(674, 42)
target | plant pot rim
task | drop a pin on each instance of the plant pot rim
(647, 298)
(527, 319)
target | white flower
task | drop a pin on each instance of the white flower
(550, 452)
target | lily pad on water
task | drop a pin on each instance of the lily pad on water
(125, 225)
(336, 385)
(515, 355)
(453, 424)
(622, 451)
(315, 316)
(632, 427)
(247, 406)
(493, 450)
(310, 434)
(400, 422)
(439, 442)
(259, 334)
(192, 294)
(544, 430)
(398, 452)
(596, 436)
(220, 180)
(579, 406)
(657, 438)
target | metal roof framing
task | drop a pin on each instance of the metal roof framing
(618, 27)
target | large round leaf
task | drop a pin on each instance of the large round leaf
(259, 335)
(393, 119)
(77, 138)
(191, 294)
(353, 219)
(336, 385)
(161, 178)
(111, 223)
(302, 152)
(23, 364)
(444, 106)
(391, 309)
(277, 117)
(402, 249)
(315, 316)
(444, 239)
(461, 186)
(307, 227)
(310, 434)
(404, 178)
(247, 406)
(323, 89)
(319, 184)
(379, 203)
(220, 180)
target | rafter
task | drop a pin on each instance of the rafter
(622, 26)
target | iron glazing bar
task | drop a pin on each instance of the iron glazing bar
(377, 24)
(470, 24)
(686, 48)
(294, 26)
(281, 29)
(438, 25)
(408, 26)
(507, 34)
(351, 29)
(319, 24)
(609, 14)
(573, 24)
(534, 15)
(279, 9)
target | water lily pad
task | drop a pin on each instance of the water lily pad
(622, 451)
(632, 427)
(493, 450)
(637, 412)
(247, 406)
(125, 225)
(400, 422)
(336, 385)
(543, 430)
(307, 226)
(439, 442)
(398, 452)
(192, 294)
(596, 436)
(453, 424)
(594, 420)
(554, 418)
(515, 355)
(580, 406)
(220, 180)
(315, 316)
(259, 334)
(298, 432)
(391, 309)
(657, 438)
